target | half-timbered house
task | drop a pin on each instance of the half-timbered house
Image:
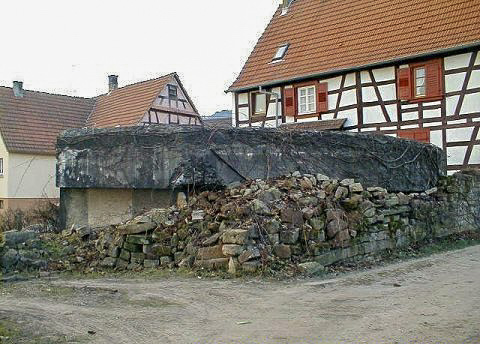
(30, 122)
(408, 68)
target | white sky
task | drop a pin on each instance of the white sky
(69, 47)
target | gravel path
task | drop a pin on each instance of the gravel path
(430, 300)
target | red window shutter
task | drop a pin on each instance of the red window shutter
(289, 99)
(404, 83)
(434, 78)
(322, 97)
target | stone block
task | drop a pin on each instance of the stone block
(114, 251)
(165, 261)
(138, 239)
(137, 257)
(355, 188)
(282, 251)
(211, 240)
(212, 264)
(251, 253)
(161, 250)
(272, 226)
(109, 262)
(232, 250)
(121, 264)
(235, 236)
(151, 264)
(211, 252)
(133, 247)
(292, 216)
(125, 255)
(252, 266)
(289, 236)
(311, 268)
(137, 227)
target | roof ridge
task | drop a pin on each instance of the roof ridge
(52, 94)
(140, 82)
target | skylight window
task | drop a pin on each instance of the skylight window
(281, 52)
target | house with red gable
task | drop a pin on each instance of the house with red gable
(30, 122)
(409, 69)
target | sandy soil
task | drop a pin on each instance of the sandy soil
(431, 300)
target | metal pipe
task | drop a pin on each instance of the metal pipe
(276, 103)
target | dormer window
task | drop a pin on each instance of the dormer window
(281, 52)
(172, 92)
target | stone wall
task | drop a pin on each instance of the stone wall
(300, 221)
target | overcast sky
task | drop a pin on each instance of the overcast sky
(69, 47)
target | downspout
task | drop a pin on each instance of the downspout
(276, 103)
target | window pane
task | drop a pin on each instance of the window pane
(303, 108)
(311, 99)
(420, 82)
(260, 103)
(420, 72)
(311, 91)
(302, 92)
(420, 90)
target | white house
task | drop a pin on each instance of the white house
(409, 69)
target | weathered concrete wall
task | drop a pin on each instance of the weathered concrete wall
(165, 157)
(103, 207)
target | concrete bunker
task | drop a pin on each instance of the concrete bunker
(107, 176)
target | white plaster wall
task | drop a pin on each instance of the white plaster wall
(451, 104)
(410, 116)
(234, 112)
(373, 114)
(365, 77)
(474, 80)
(4, 179)
(348, 98)
(454, 82)
(350, 115)
(332, 101)
(350, 80)
(436, 138)
(456, 155)
(431, 113)
(457, 61)
(242, 98)
(384, 74)
(388, 92)
(471, 103)
(392, 112)
(477, 61)
(368, 94)
(475, 157)
(333, 83)
(32, 176)
(459, 134)
(174, 104)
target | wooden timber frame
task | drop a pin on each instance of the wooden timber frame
(362, 94)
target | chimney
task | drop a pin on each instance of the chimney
(112, 82)
(18, 89)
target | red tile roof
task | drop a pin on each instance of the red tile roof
(31, 124)
(332, 35)
(126, 106)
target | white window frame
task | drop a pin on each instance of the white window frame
(307, 103)
(1, 167)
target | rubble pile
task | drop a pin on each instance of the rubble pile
(292, 224)
(304, 222)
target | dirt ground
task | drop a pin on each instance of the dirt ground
(430, 300)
